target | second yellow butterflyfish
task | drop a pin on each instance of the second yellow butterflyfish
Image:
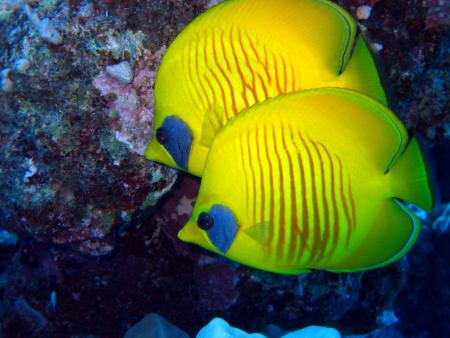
(241, 52)
(317, 179)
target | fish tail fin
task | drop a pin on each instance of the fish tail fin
(410, 179)
(394, 231)
(361, 73)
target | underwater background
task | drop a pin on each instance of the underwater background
(88, 227)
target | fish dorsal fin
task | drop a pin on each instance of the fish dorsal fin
(260, 232)
(361, 73)
(213, 122)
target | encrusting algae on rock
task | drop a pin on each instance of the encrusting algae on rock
(73, 170)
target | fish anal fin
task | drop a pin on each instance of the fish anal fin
(393, 232)
(289, 269)
(214, 121)
(410, 179)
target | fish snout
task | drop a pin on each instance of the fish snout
(157, 153)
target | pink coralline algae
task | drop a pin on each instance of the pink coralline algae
(71, 165)
(132, 103)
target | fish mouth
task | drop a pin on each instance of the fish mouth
(157, 153)
(190, 233)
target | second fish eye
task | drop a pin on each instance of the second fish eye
(162, 136)
(205, 221)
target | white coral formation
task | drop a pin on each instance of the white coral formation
(363, 12)
(121, 72)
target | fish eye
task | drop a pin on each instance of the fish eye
(205, 221)
(162, 136)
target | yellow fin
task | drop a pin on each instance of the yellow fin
(260, 232)
(288, 269)
(394, 231)
(386, 138)
(410, 178)
(361, 73)
(213, 122)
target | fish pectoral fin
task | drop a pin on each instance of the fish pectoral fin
(393, 232)
(213, 122)
(260, 232)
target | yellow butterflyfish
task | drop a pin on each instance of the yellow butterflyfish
(317, 179)
(241, 52)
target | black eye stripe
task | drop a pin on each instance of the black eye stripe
(205, 221)
(162, 135)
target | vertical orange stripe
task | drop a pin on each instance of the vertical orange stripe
(282, 223)
(197, 67)
(232, 87)
(285, 74)
(344, 201)
(217, 63)
(271, 194)
(261, 185)
(266, 65)
(316, 224)
(206, 76)
(250, 68)
(335, 206)
(263, 84)
(208, 82)
(233, 48)
(304, 201)
(191, 78)
(253, 197)
(352, 203)
(326, 234)
(293, 206)
(252, 46)
(247, 181)
(277, 73)
(294, 84)
(224, 99)
(222, 42)
(187, 75)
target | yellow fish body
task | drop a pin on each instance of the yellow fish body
(311, 180)
(241, 52)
